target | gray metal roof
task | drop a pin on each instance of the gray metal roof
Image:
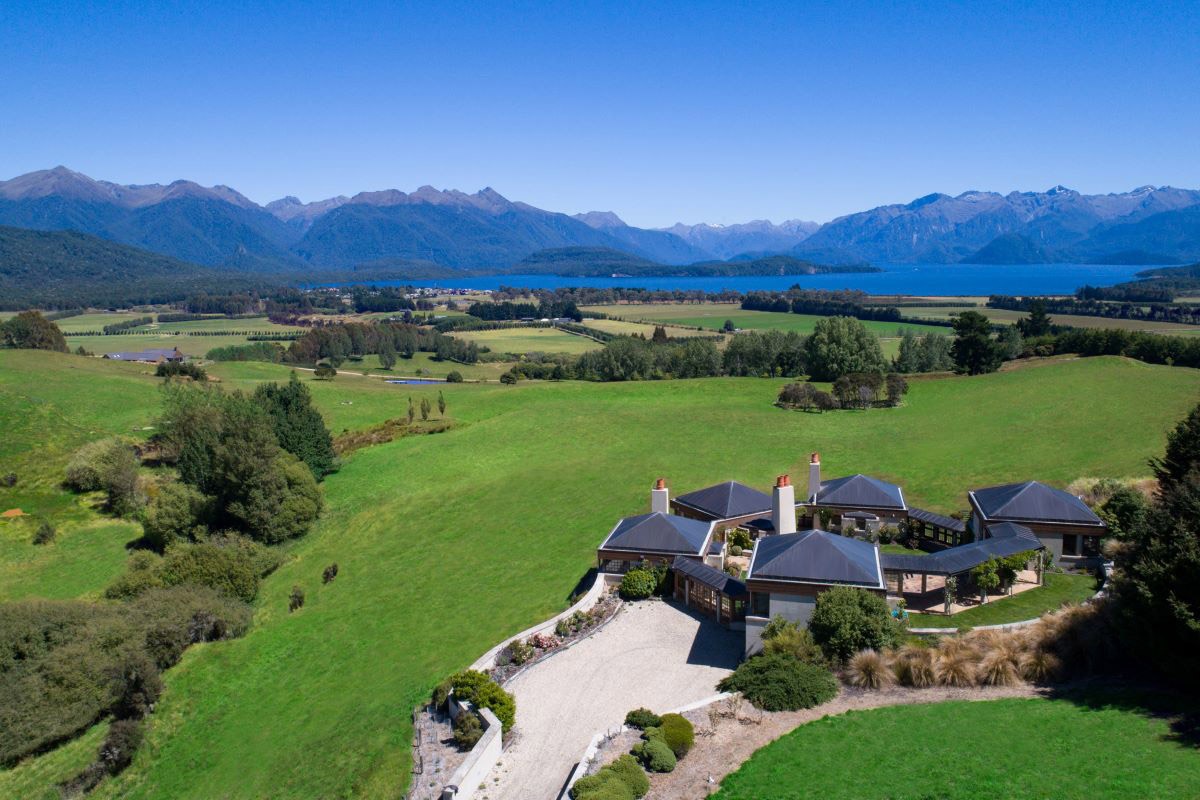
(1007, 539)
(816, 557)
(860, 491)
(930, 518)
(710, 577)
(727, 500)
(659, 533)
(1033, 502)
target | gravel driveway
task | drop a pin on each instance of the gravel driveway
(654, 654)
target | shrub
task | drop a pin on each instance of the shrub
(467, 730)
(735, 550)
(913, 667)
(999, 667)
(604, 785)
(325, 372)
(508, 378)
(44, 534)
(91, 465)
(142, 572)
(678, 733)
(796, 642)
(654, 755)
(230, 571)
(954, 666)
(454, 376)
(481, 691)
(181, 369)
(178, 512)
(519, 652)
(296, 598)
(1040, 666)
(868, 670)
(115, 754)
(847, 620)
(9, 480)
(638, 584)
(738, 538)
(630, 772)
(778, 682)
(329, 573)
(180, 616)
(642, 718)
(542, 641)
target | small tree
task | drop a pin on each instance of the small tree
(454, 376)
(426, 407)
(950, 592)
(329, 573)
(325, 372)
(441, 404)
(897, 387)
(387, 353)
(848, 619)
(44, 534)
(412, 411)
(728, 327)
(986, 577)
(296, 599)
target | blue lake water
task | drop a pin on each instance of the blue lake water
(918, 279)
(412, 381)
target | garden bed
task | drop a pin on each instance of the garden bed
(523, 654)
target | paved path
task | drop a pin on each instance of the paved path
(653, 654)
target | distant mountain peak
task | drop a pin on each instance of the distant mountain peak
(600, 219)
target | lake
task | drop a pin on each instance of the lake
(917, 279)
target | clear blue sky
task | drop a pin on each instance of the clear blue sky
(689, 111)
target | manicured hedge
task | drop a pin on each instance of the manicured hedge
(778, 682)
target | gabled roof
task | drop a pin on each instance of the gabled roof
(1008, 539)
(860, 491)
(712, 578)
(1033, 502)
(816, 557)
(659, 533)
(727, 500)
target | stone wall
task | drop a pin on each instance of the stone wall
(471, 774)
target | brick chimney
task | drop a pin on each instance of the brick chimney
(783, 505)
(814, 477)
(660, 500)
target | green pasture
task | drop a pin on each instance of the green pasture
(712, 316)
(1067, 749)
(1003, 315)
(448, 543)
(523, 340)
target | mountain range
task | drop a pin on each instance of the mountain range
(219, 227)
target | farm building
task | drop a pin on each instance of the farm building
(152, 356)
(1061, 521)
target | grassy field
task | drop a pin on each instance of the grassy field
(997, 750)
(1060, 589)
(1075, 320)
(448, 543)
(489, 371)
(193, 338)
(529, 340)
(713, 315)
(646, 329)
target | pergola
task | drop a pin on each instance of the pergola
(1005, 540)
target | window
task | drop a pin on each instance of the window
(1070, 544)
(760, 604)
(1091, 545)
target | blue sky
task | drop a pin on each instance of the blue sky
(694, 111)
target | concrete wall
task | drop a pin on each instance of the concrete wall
(796, 608)
(754, 629)
(472, 773)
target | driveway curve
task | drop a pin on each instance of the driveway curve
(654, 654)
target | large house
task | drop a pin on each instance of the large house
(789, 569)
(151, 356)
(1061, 521)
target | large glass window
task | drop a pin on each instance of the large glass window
(1070, 544)
(760, 604)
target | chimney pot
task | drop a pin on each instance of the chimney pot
(815, 458)
(661, 483)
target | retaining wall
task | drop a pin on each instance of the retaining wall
(471, 774)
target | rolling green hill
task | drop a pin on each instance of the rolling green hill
(448, 543)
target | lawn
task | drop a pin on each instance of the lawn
(646, 329)
(995, 750)
(529, 340)
(713, 315)
(1059, 589)
(448, 543)
(423, 365)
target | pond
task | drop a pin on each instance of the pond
(413, 380)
